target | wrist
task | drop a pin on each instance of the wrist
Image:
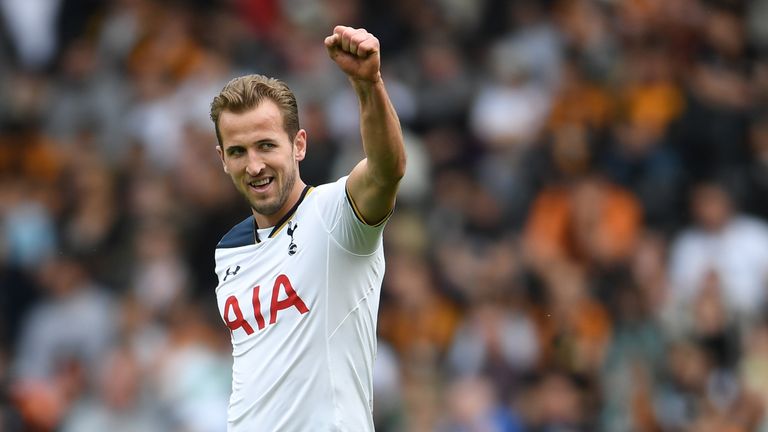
(366, 84)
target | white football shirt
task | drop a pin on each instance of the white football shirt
(301, 302)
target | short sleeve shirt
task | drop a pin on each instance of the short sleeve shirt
(301, 301)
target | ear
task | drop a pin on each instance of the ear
(221, 156)
(300, 145)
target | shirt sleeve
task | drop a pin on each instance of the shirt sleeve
(344, 223)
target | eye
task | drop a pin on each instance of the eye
(235, 151)
(267, 145)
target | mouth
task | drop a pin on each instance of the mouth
(260, 185)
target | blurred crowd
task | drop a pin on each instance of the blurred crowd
(581, 240)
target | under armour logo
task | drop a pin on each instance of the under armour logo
(292, 248)
(231, 272)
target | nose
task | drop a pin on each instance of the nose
(255, 164)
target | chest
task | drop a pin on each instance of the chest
(275, 282)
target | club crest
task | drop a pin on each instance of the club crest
(293, 247)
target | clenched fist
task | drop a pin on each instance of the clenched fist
(356, 52)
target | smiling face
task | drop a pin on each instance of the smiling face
(262, 160)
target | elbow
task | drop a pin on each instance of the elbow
(387, 172)
(389, 175)
(399, 170)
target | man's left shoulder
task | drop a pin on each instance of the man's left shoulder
(332, 187)
(328, 194)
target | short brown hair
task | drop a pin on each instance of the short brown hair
(247, 92)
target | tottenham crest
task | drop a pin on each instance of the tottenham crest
(292, 248)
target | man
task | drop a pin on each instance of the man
(299, 281)
(722, 247)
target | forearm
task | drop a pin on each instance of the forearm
(373, 183)
(381, 133)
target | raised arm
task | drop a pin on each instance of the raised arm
(373, 183)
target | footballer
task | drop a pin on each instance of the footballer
(299, 279)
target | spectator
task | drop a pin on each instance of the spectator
(121, 404)
(495, 341)
(472, 405)
(724, 242)
(591, 221)
(62, 340)
(418, 321)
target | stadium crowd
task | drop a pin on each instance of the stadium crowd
(580, 244)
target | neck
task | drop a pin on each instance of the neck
(266, 221)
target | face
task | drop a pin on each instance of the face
(711, 207)
(260, 157)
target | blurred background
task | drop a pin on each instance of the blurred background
(581, 240)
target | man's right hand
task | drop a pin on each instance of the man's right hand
(356, 52)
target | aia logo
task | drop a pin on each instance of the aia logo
(235, 319)
(292, 248)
